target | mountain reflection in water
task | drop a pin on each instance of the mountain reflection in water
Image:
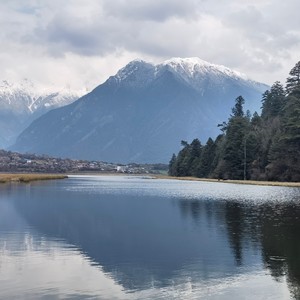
(161, 236)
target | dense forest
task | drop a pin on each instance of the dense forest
(252, 147)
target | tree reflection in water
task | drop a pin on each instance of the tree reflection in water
(274, 228)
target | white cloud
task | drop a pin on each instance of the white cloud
(82, 42)
(158, 11)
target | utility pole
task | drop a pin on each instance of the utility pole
(245, 159)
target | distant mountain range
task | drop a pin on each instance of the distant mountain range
(21, 103)
(143, 112)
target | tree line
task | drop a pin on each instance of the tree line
(252, 147)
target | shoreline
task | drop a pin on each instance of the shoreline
(28, 177)
(188, 178)
(249, 182)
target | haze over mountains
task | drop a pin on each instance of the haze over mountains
(22, 103)
(143, 112)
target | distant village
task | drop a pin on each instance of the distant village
(31, 163)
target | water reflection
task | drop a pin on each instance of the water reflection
(273, 229)
(136, 238)
(140, 242)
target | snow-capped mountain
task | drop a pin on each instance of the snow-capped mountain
(194, 71)
(21, 103)
(143, 112)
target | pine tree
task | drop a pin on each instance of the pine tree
(235, 148)
(291, 118)
(273, 101)
(234, 152)
(183, 160)
(255, 121)
(237, 110)
(265, 147)
(205, 166)
(196, 151)
(293, 81)
(284, 153)
(218, 164)
(172, 166)
(287, 151)
(278, 98)
(266, 103)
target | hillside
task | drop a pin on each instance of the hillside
(21, 103)
(142, 113)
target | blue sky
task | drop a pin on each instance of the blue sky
(79, 43)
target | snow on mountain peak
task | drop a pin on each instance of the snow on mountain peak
(193, 65)
(29, 87)
(9, 87)
(136, 72)
(24, 101)
(27, 97)
(193, 70)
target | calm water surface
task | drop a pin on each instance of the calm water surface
(91, 237)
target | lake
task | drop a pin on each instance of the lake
(129, 237)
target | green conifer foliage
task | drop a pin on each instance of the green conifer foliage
(293, 81)
(205, 166)
(265, 147)
(238, 110)
(273, 101)
(172, 166)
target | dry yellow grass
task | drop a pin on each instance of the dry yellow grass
(4, 178)
(251, 182)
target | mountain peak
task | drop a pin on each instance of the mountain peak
(26, 86)
(187, 61)
(193, 70)
(192, 66)
(24, 101)
(142, 113)
(136, 72)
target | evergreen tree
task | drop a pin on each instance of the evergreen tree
(172, 166)
(234, 159)
(237, 110)
(285, 151)
(291, 118)
(293, 81)
(255, 121)
(256, 159)
(195, 155)
(234, 154)
(265, 147)
(278, 98)
(265, 103)
(218, 164)
(273, 101)
(183, 160)
(205, 166)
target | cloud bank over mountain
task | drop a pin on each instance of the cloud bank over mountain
(81, 42)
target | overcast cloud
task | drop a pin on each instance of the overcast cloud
(81, 42)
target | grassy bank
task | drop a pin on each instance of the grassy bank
(252, 182)
(4, 178)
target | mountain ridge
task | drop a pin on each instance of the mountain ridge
(187, 68)
(23, 102)
(142, 113)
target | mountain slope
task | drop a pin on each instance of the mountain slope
(22, 103)
(142, 113)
